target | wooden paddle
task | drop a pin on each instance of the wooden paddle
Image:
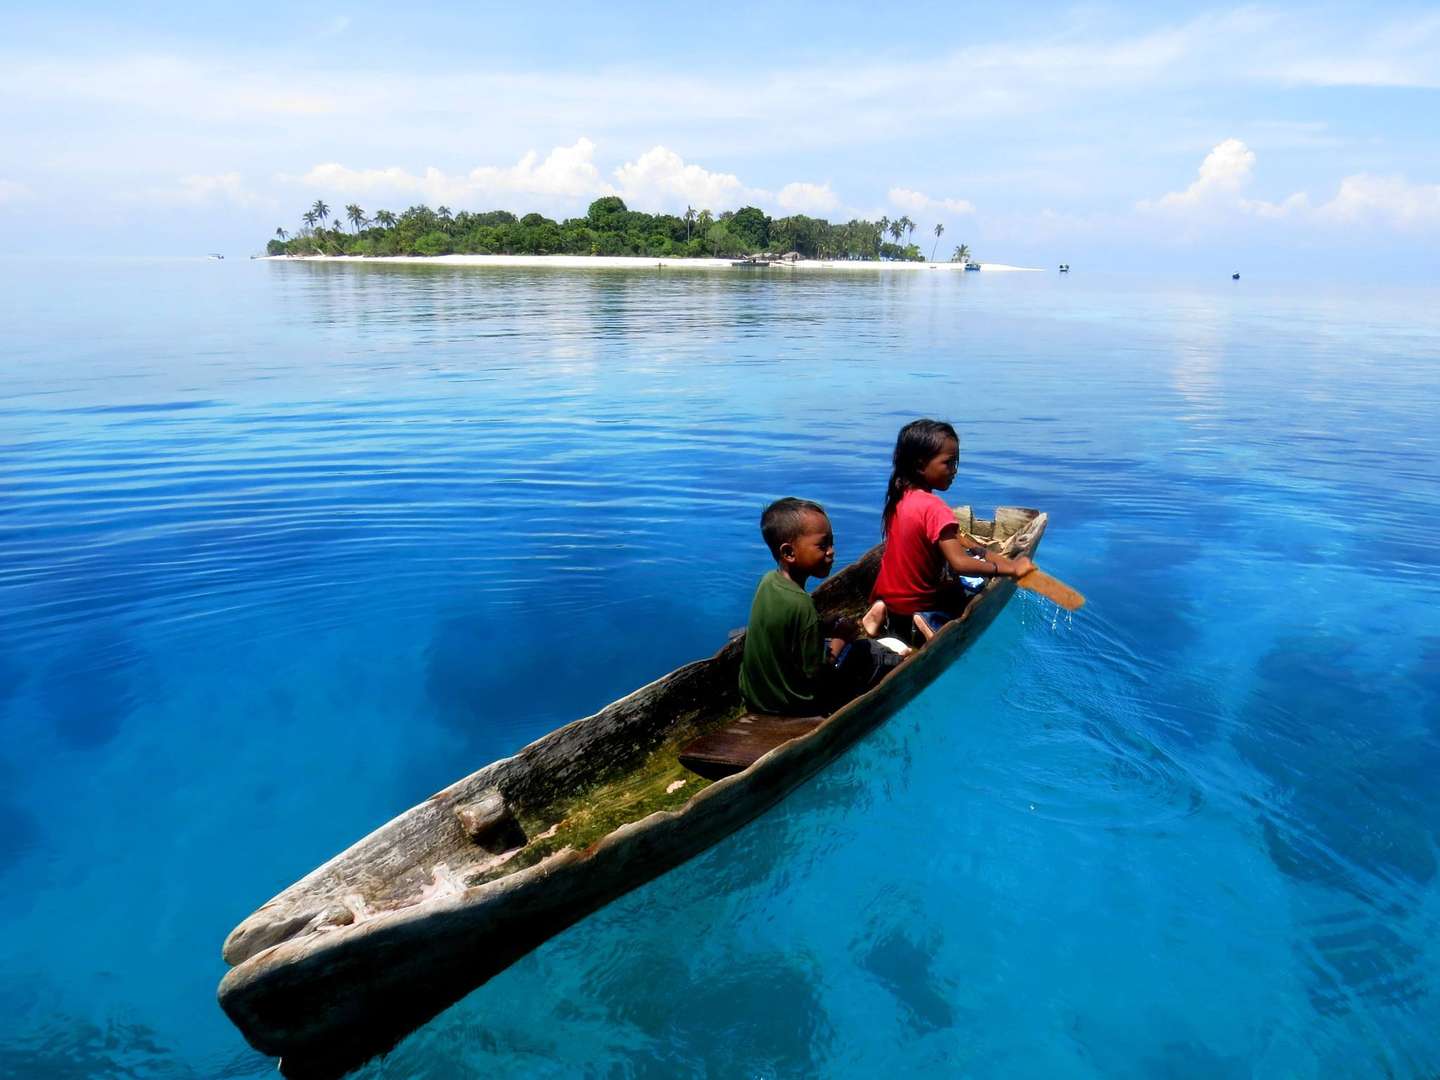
(1052, 589)
(1036, 580)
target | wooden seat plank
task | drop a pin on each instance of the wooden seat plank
(740, 743)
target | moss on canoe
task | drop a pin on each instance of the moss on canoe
(659, 782)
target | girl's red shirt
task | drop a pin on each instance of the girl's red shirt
(912, 566)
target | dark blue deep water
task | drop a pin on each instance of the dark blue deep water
(285, 548)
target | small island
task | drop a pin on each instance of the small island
(608, 229)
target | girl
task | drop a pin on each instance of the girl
(912, 592)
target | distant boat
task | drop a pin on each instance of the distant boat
(972, 266)
(1064, 268)
(751, 262)
(1234, 277)
(214, 255)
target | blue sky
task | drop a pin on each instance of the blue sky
(1266, 136)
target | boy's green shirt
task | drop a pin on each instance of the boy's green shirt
(779, 672)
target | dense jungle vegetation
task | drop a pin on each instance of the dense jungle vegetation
(608, 228)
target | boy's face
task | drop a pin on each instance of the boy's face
(939, 471)
(812, 553)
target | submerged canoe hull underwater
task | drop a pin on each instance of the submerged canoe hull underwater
(362, 951)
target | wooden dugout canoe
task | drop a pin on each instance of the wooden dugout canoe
(377, 941)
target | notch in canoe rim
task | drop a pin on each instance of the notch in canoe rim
(377, 941)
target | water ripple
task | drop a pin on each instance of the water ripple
(280, 559)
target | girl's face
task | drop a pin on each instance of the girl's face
(938, 473)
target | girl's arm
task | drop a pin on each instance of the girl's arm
(991, 564)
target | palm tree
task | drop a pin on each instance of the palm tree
(281, 234)
(690, 217)
(444, 215)
(320, 210)
(884, 228)
(309, 219)
(908, 225)
(385, 219)
(962, 254)
(356, 216)
(897, 228)
(939, 232)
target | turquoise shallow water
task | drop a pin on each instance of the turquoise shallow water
(285, 548)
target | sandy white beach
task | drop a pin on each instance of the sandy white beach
(628, 262)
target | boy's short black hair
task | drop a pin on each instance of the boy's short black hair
(784, 519)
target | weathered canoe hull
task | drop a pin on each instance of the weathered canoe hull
(327, 1002)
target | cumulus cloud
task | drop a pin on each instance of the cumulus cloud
(1388, 199)
(803, 198)
(661, 179)
(205, 190)
(1362, 198)
(1225, 171)
(567, 178)
(1219, 188)
(1293, 206)
(917, 202)
(566, 172)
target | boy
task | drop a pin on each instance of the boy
(788, 667)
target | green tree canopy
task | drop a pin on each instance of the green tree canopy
(609, 227)
(751, 228)
(604, 211)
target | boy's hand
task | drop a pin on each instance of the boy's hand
(837, 646)
(1021, 566)
(844, 628)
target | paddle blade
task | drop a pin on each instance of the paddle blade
(1052, 589)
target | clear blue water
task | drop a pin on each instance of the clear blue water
(285, 548)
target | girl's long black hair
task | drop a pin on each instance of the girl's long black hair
(917, 443)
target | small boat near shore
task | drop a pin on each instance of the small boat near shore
(753, 262)
(368, 947)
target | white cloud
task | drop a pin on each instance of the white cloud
(1218, 189)
(343, 180)
(1362, 198)
(567, 172)
(1389, 199)
(918, 202)
(12, 191)
(1405, 52)
(1293, 206)
(661, 180)
(1225, 171)
(985, 84)
(566, 180)
(802, 198)
(205, 190)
